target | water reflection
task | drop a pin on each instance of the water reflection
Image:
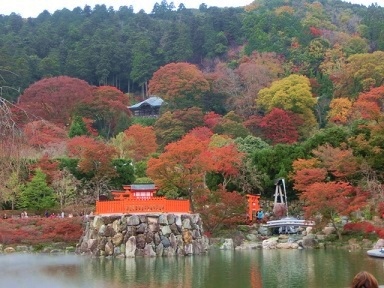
(315, 268)
(254, 269)
(25, 270)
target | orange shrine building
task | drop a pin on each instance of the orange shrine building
(140, 198)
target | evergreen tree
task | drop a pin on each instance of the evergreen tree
(37, 195)
(77, 128)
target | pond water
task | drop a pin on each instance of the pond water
(253, 268)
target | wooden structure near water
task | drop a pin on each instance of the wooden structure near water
(139, 198)
(253, 206)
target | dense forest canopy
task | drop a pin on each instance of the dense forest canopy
(279, 88)
(123, 49)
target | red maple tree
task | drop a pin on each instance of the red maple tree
(220, 209)
(43, 133)
(281, 126)
(54, 99)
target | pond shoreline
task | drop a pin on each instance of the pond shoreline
(64, 235)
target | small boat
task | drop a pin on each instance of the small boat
(376, 253)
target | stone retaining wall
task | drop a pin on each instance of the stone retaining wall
(147, 235)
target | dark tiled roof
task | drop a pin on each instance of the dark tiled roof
(153, 101)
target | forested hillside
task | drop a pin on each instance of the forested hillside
(279, 88)
(123, 49)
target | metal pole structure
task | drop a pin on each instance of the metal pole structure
(285, 195)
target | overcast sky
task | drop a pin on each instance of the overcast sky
(32, 8)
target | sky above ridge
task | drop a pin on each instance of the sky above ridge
(32, 8)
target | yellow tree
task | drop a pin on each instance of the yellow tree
(340, 108)
(292, 93)
(334, 62)
(122, 144)
(362, 72)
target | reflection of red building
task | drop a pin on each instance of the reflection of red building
(253, 206)
(139, 198)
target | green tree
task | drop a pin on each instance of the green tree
(250, 143)
(36, 194)
(143, 63)
(168, 129)
(77, 127)
(125, 173)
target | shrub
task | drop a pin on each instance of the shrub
(363, 227)
(380, 208)
(40, 230)
(380, 232)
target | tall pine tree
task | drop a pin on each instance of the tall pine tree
(37, 195)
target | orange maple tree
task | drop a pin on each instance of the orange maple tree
(141, 141)
(180, 169)
(178, 81)
(332, 199)
(202, 133)
(94, 156)
(340, 163)
(303, 178)
(225, 160)
(369, 105)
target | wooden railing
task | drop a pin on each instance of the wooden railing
(154, 204)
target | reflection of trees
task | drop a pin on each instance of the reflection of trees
(171, 272)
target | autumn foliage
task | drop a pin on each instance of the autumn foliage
(332, 199)
(141, 141)
(185, 162)
(54, 99)
(44, 133)
(364, 227)
(369, 105)
(180, 166)
(178, 81)
(225, 160)
(36, 230)
(95, 156)
(281, 126)
(220, 209)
